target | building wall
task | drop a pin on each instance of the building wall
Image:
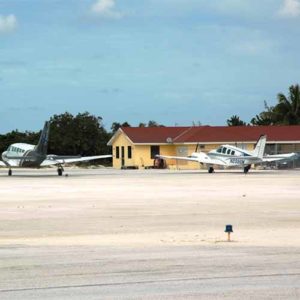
(120, 141)
(142, 154)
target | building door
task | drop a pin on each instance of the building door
(154, 150)
(123, 156)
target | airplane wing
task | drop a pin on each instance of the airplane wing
(54, 160)
(27, 158)
(278, 157)
(200, 158)
(2, 164)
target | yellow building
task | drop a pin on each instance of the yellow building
(136, 147)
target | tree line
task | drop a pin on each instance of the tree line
(85, 134)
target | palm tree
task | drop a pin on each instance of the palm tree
(235, 121)
(287, 111)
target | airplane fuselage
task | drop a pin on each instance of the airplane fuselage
(229, 156)
(29, 157)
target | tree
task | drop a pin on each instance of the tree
(152, 123)
(235, 121)
(287, 111)
(116, 125)
(126, 124)
(264, 118)
(83, 134)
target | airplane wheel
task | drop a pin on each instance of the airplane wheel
(211, 170)
(9, 172)
(59, 172)
(246, 169)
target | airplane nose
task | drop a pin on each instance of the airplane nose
(4, 154)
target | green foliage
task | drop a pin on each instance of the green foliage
(116, 125)
(264, 118)
(285, 112)
(152, 123)
(235, 121)
(83, 134)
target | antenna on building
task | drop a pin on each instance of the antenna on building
(169, 140)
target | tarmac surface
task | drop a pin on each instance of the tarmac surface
(112, 234)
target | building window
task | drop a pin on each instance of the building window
(154, 151)
(118, 152)
(129, 152)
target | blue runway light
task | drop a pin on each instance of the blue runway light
(228, 228)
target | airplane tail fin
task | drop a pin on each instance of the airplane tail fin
(260, 147)
(42, 146)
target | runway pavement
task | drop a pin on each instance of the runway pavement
(112, 234)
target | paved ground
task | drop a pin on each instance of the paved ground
(106, 234)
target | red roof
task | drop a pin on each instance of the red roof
(206, 134)
(153, 134)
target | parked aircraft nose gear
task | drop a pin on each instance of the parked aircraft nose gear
(9, 172)
(211, 170)
(60, 171)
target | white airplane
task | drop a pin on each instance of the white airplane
(22, 155)
(230, 156)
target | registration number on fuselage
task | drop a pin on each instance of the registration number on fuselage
(237, 161)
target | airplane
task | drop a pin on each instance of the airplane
(21, 155)
(231, 156)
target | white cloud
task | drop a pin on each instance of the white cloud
(290, 8)
(106, 9)
(8, 23)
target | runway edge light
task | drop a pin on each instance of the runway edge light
(228, 229)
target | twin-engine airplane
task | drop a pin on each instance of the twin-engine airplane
(35, 156)
(230, 156)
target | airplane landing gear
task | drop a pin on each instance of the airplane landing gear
(9, 172)
(247, 168)
(60, 171)
(211, 170)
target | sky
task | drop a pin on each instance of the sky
(177, 62)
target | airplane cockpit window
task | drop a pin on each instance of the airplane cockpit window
(232, 152)
(219, 150)
(228, 151)
(224, 150)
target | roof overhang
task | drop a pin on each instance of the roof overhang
(213, 143)
(116, 135)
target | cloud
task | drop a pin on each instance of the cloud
(8, 23)
(290, 8)
(106, 9)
